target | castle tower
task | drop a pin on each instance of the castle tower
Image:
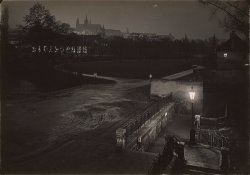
(86, 20)
(77, 22)
(186, 38)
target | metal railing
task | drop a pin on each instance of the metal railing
(139, 120)
(213, 138)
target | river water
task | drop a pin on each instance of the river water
(23, 86)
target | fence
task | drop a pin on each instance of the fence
(138, 121)
(213, 138)
(214, 122)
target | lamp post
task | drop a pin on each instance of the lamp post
(192, 130)
(95, 77)
(150, 79)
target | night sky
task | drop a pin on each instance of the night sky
(161, 17)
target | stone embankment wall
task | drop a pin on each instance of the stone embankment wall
(150, 130)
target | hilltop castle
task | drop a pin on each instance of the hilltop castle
(87, 28)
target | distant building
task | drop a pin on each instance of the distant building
(133, 36)
(87, 28)
(15, 36)
(147, 36)
(112, 32)
(230, 54)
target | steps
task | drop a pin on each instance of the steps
(200, 160)
(196, 168)
(189, 169)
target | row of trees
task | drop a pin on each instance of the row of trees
(128, 48)
(160, 49)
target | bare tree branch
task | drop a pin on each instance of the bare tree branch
(237, 8)
(236, 17)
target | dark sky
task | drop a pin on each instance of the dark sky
(161, 17)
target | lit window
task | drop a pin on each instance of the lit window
(33, 49)
(225, 55)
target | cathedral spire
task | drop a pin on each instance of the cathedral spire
(77, 21)
(86, 20)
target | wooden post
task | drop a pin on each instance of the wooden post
(224, 159)
(120, 139)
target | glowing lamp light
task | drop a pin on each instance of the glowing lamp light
(192, 94)
(150, 76)
(225, 55)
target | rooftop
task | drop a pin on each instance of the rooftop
(234, 43)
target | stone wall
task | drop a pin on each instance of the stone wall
(152, 128)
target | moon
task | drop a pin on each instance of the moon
(155, 5)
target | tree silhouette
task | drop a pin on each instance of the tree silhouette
(237, 16)
(4, 32)
(41, 27)
(39, 17)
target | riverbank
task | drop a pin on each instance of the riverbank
(25, 84)
(131, 69)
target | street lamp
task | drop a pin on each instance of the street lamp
(95, 77)
(192, 95)
(192, 131)
(150, 79)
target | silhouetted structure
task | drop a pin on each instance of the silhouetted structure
(87, 28)
(230, 54)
